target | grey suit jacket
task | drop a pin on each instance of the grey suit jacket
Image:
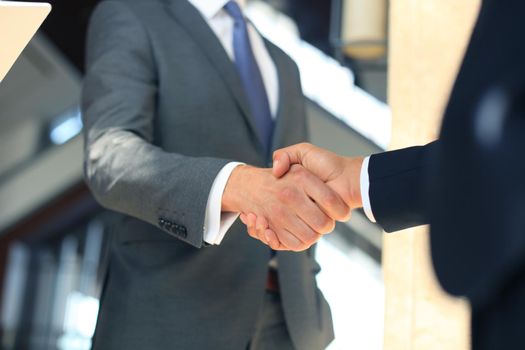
(164, 111)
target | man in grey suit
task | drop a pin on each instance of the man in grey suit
(174, 91)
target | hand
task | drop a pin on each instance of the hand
(342, 174)
(298, 208)
(257, 226)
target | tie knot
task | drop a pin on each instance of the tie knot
(234, 10)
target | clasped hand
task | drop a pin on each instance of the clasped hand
(292, 205)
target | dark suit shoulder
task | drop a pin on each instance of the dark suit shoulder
(139, 7)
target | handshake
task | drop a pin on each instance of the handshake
(292, 205)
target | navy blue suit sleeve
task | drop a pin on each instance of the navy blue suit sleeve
(398, 193)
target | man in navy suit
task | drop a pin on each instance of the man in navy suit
(469, 185)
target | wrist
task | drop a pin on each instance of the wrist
(236, 192)
(353, 175)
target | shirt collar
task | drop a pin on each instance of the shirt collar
(209, 8)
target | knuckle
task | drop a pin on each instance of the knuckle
(346, 214)
(311, 241)
(297, 170)
(330, 200)
(302, 247)
(308, 246)
(315, 239)
(342, 212)
(308, 237)
(318, 223)
(301, 172)
(275, 210)
(324, 224)
(305, 146)
(330, 227)
(288, 194)
(297, 248)
(278, 213)
(294, 244)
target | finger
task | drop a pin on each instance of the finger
(244, 218)
(313, 216)
(302, 235)
(251, 218)
(260, 226)
(325, 198)
(296, 199)
(278, 246)
(252, 233)
(348, 217)
(288, 240)
(281, 163)
(250, 224)
(273, 240)
(303, 232)
(284, 158)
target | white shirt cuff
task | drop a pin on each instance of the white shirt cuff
(365, 186)
(217, 223)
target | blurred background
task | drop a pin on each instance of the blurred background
(54, 236)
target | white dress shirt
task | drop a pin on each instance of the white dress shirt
(365, 188)
(216, 223)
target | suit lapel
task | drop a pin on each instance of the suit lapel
(197, 28)
(285, 112)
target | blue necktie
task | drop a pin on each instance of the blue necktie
(250, 75)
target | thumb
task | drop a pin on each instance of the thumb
(281, 163)
(284, 158)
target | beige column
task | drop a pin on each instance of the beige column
(427, 42)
